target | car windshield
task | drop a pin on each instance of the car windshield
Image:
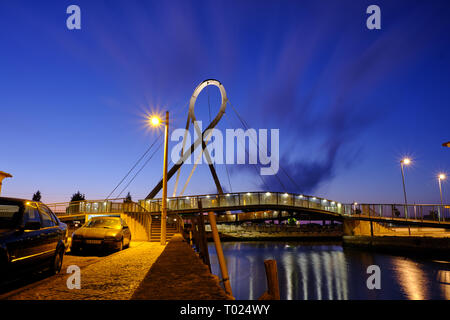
(9, 216)
(104, 223)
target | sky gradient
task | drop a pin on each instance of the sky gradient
(349, 102)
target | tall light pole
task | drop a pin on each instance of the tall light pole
(405, 161)
(441, 177)
(155, 121)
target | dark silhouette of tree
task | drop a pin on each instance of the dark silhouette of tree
(128, 198)
(37, 196)
(77, 197)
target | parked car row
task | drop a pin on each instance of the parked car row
(33, 238)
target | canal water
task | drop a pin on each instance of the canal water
(330, 272)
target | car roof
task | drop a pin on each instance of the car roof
(14, 200)
(17, 201)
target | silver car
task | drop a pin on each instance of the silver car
(102, 233)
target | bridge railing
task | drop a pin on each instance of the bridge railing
(214, 201)
(422, 212)
(230, 201)
(243, 199)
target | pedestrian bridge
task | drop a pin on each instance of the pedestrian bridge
(248, 206)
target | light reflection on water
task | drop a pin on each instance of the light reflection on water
(328, 272)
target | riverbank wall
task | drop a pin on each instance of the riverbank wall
(276, 232)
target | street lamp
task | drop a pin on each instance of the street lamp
(440, 178)
(156, 121)
(405, 161)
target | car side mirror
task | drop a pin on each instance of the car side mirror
(32, 225)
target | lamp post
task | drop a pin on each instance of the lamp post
(155, 121)
(440, 178)
(405, 161)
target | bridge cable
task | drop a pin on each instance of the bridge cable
(251, 138)
(134, 166)
(252, 164)
(197, 160)
(143, 166)
(281, 167)
(182, 154)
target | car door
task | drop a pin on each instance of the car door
(28, 243)
(49, 231)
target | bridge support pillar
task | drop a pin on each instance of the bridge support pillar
(363, 228)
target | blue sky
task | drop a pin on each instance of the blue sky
(349, 102)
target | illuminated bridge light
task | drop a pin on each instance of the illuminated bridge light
(248, 193)
(268, 194)
(228, 194)
(285, 195)
(300, 196)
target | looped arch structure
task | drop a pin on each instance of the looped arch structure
(200, 87)
(200, 140)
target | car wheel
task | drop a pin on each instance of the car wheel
(57, 261)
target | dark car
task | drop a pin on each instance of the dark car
(31, 237)
(102, 233)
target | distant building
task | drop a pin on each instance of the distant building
(3, 175)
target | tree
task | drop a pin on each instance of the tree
(128, 198)
(78, 197)
(37, 196)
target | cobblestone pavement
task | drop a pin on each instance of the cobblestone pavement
(113, 277)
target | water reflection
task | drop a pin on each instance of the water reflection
(412, 279)
(328, 272)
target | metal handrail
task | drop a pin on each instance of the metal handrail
(282, 200)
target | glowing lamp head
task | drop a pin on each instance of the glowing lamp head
(442, 176)
(155, 121)
(406, 161)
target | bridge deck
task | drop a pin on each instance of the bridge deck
(425, 215)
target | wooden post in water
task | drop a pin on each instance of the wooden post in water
(202, 241)
(220, 256)
(273, 288)
(195, 229)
